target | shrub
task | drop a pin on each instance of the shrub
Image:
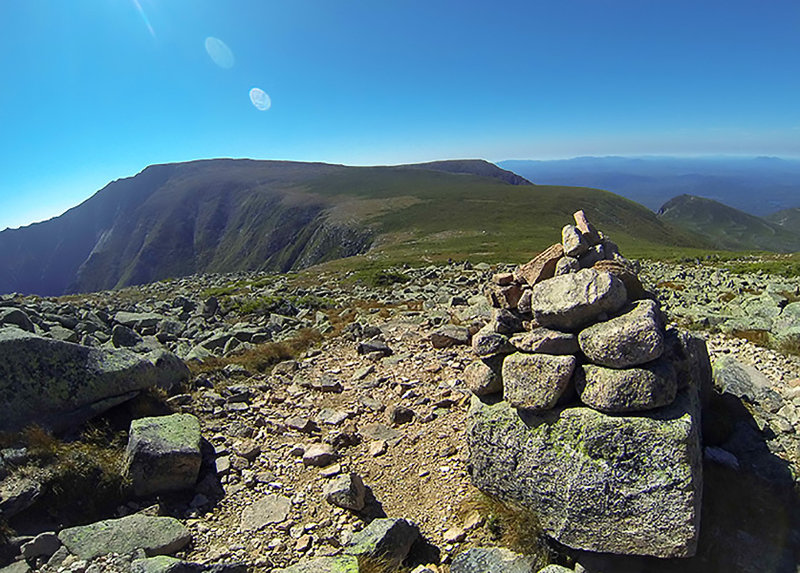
(381, 277)
(91, 463)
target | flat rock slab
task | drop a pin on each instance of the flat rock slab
(536, 381)
(633, 338)
(163, 564)
(59, 384)
(636, 479)
(629, 390)
(137, 320)
(154, 535)
(271, 508)
(381, 432)
(572, 301)
(450, 335)
(541, 267)
(494, 559)
(340, 564)
(546, 341)
(163, 454)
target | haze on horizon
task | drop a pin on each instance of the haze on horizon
(96, 90)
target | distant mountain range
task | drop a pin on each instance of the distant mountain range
(731, 229)
(225, 215)
(758, 186)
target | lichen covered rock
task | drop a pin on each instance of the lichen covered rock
(59, 385)
(163, 454)
(629, 390)
(571, 301)
(536, 381)
(153, 535)
(636, 479)
(633, 338)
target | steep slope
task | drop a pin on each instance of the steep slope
(787, 218)
(173, 220)
(227, 215)
(726, 227)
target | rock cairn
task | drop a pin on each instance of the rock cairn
(586, 407)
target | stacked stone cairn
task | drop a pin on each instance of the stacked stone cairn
(586, 411)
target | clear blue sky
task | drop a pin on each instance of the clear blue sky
(95, 90)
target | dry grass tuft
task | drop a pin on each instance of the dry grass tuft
(263, 356)
(757, 337)
(671, 285)
(92, 463)
(512, 527)
(368, 564)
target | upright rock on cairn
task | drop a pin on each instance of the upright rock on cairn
(595, 423)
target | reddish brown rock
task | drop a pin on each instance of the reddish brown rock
(503, 296)
(585, 227)
(541, 267)
(503, 279)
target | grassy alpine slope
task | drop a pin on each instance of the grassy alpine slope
(439, 216)
(726, 227)
(228, 215)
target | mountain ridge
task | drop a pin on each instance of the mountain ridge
(727, 227)
(226, 215)
(755, 185)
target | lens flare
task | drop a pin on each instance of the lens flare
(220, 53)
(260, 99)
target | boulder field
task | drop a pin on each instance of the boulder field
(435, 416)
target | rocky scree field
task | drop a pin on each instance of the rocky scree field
(325, 416)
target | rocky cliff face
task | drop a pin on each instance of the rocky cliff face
(175, 220)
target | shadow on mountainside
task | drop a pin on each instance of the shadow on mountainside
(750, 517)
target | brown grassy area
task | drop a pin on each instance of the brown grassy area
(511, 527)
(671, 285)
(757, 337)
(263, 356)
(91, 463)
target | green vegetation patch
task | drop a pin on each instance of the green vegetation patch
(91, 463)
(787, 267)
(273, 303)
(380, 277)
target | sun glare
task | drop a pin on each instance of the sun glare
(145, 19)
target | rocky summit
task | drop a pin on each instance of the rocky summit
(575, 413)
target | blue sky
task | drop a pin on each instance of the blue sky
(97, 90)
